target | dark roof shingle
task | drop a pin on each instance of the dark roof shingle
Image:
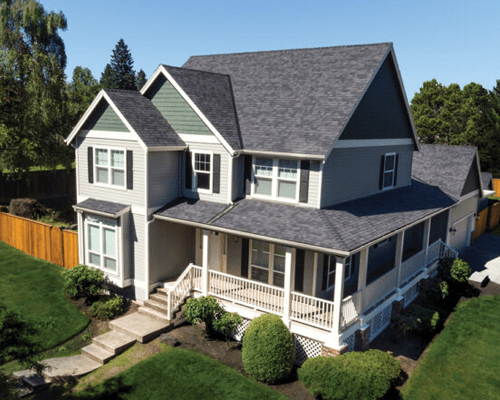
(101, 206)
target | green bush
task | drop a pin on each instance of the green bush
(204, 309)
(418, 319)
(460, 271)
(353, 376)
(108, 308)
(268, 351)
(227, 324)
(83, 281)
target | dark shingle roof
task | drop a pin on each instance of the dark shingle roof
(212, 93)
(303, 95)
(444, 166)
(192, 210)
(101, 206)
(342, 227)
(145, 118)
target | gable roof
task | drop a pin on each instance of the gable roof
(447, 167)
(306, 95)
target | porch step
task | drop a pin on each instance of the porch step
(159, 306)
(162, 290)
(97, 353)
(153, 314)
(115, 342)
(143, 326)
(159, 297)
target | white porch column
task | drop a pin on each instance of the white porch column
(204, 273)
(427, 235)
(363, 270)
(399, 255)
(288, 287)
(337, 298)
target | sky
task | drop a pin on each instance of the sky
(452, 41)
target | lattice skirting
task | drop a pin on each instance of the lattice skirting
(241, 329)
(349, 340)
(305, 348)
(380, 321)
(411, 294)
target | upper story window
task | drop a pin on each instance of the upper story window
(110, 167)
(276, 178)
(202, 171)
(101, 244)
(389, 172)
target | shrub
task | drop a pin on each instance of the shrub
(268, 351)
(418, 319)
(27, 208)
(107, 309)
(353, 376)
(444, 267)
(460, 271)
(227, 324)
(204, 309)
(83, 281)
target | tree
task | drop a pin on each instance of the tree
(140, 79)
(81, 91)
(33, 102)
(122, 66)
(108, 78)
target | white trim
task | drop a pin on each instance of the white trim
(166, 148)
(478, 166)
(102, 213)
(112, 135)
(194, 187)
(276, 154)
(151, 79)
(189, 137)
(109, 149)
(138, 210)
(386, 171)
(230, 180)
(118, 259)
(347, 144)
(461, 219)
(320, 189)
(81, 243)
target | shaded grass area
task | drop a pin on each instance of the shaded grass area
(179, 374)
(463, 362)
(34, 289)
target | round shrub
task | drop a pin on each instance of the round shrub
(83, 281)
(353, 376)
(107, 309)
(203, 309)
(268, 351)
(460, 271)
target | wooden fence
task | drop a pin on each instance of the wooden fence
(481, 224)
(40, 240)
(494, 216)
(496, 186)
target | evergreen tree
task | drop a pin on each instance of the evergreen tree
(140, 80)
(122, 66)
(108, 78)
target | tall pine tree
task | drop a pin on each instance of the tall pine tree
(140, 80)
(122, 67)
(108, 79)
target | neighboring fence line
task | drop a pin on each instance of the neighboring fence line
(496, 187)
(481, 224)
(494, 216)
(40, 185)
(40, 240)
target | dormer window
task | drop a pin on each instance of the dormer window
(277, 178)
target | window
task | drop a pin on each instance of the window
(101, 243)
(389, 171)
(268, 263)
(276, 178)
(110, 167)
(349, 268)
(202, 171)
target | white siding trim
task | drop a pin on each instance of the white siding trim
(275, 154)
(96, 134)
(343, 144)
(229, 180)
(190, 137)
(320, 188)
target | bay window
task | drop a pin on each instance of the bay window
(101, 243)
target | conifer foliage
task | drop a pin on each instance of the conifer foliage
(120, 74)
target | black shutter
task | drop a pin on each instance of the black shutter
(299, 270)
(325, 272)
(90, 154)
(304, 180)
(396, 170)
(382, 167)
(248, 174)
(188, 170)
(244, 258)
(130, 169)
(216, 171)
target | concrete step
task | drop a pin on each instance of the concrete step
(162, 290)
(97, 354)
(157, 306)
(152, 313)
(141, 326)
(115, 342)
(64, 367)
(159, 297)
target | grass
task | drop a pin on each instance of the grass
(463, 362)
(34, 289)
(179, 374)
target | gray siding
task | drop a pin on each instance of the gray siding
(225, 158)
(163, 172)
(104, 118)
(308, 272)
(172, 248)
(138, 246)
(127, 247)
(463, 208)
(351, 173)
(134, 197)
(175, 109)
(382, 113)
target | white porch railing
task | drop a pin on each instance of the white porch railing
(447, 252)
(351, 309)
(378, 289)
(312, 310)
(182, 287)
(412, 265)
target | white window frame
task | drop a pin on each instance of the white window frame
(270, 270)
(349, 267)
(275, 180)
(102, 226)
(393, 171)
(110, 168)
(194, 187)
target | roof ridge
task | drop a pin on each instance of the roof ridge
(196, 70)
(449, 145)
(294, 49)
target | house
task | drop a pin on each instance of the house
(279, 181)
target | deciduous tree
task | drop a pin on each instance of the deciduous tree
(81, 92)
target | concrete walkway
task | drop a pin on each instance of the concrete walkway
(484, 258)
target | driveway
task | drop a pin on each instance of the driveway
(484, 258)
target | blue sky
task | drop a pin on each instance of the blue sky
(453, 41)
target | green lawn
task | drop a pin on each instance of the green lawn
(463, 362)
(34, 288)
(179, 374)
